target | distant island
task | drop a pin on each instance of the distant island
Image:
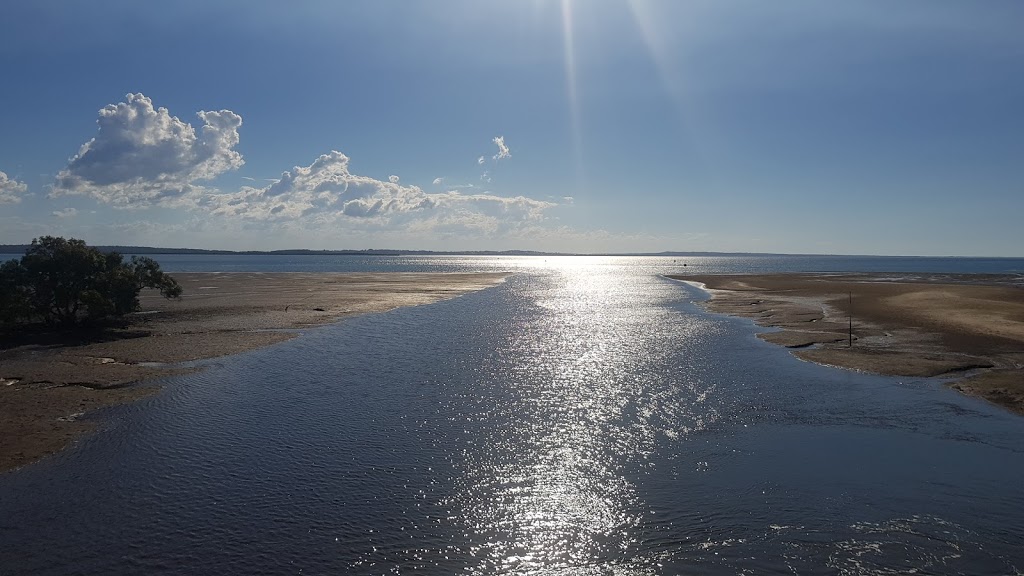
(146, 250)
(20, 249)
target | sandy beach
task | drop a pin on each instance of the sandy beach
(967, 327)
(47, 387)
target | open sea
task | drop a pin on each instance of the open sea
(584, 417)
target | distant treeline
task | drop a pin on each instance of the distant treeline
(142, 250)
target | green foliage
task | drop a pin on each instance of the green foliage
(14, 302)
(63, 281)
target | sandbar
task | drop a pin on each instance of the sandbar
(967, 327)
(46, 387)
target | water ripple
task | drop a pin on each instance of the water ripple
(579, 419)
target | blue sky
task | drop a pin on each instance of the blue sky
(803, 127)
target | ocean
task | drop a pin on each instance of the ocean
(587, 416)
(724, 264)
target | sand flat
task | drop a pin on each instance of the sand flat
(968, 310)
(48, 387)
(903, 325)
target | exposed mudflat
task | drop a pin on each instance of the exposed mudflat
(916, 325)
(46, 388)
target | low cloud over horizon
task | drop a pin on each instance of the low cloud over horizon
(143, 158)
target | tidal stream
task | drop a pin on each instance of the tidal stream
(577, 419)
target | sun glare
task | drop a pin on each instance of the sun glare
(570, 87)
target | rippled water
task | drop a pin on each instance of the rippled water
(582, 418)
(719, 264)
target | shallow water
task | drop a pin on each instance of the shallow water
(585, 417)
(719, 264)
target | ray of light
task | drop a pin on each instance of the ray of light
(653, 40)
(571, 90)
(669, 72)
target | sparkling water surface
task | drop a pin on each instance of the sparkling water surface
(584, 417)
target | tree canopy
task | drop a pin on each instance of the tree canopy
(63, 282)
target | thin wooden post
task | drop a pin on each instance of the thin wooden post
(851, 320)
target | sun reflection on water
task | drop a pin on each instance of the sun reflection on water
(580, 399)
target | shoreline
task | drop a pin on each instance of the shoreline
(46, 388)
(967, 327)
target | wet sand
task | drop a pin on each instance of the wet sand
(46, 389)
(970, 327)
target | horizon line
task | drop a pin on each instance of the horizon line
(13, 249)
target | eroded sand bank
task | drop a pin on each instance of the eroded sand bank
(46, 388)
(903, 325)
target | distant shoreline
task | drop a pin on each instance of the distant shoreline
(910, 325)
(47, 387)
(17, 249)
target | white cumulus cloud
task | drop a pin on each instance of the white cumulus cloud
(326, 191)
(11, 190)
(503, 152)
(325, 186)
(142, 155)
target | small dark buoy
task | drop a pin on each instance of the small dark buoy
(684, 263)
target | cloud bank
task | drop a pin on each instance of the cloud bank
(143, 157)
(327, 191)
(11, 190)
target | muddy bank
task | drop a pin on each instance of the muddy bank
(903, 325)
(46, 387)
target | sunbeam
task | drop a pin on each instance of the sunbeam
(670, 73)
(570, 82)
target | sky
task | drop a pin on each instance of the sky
(868, 127)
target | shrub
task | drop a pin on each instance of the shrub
(63, 281)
